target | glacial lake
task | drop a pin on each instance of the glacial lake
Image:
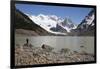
(59, 42)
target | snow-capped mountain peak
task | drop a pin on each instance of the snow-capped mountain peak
(45, 21)
(54, 17)
(88, 21)
(52, 21)
(67, 24)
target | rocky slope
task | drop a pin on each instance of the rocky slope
(86, 27)
(64, 26)
(23, 22)
(52, 25)
(31, 55)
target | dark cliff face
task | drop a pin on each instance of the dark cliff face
(85, 29)
(67, 23)
(22, 21)
(58, 28)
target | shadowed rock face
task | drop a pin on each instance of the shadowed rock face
(86, 27)
(24, 25)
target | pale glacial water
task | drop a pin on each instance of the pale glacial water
(59, 42)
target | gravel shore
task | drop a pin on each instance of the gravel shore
(30, 55)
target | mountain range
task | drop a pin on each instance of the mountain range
(52, 25)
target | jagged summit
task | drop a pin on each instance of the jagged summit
(67, 24)
(49, 22)
(63, 26)
(87, 26)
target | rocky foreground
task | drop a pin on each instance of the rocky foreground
(30, 55)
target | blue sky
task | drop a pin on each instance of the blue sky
(76, 14)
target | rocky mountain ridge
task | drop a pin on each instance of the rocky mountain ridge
(54, 25)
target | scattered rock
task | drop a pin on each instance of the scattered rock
(65, 50)
(44, 55)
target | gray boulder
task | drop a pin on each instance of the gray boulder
(47, 47)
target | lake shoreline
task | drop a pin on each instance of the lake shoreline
(58, 42)
(30, 55)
